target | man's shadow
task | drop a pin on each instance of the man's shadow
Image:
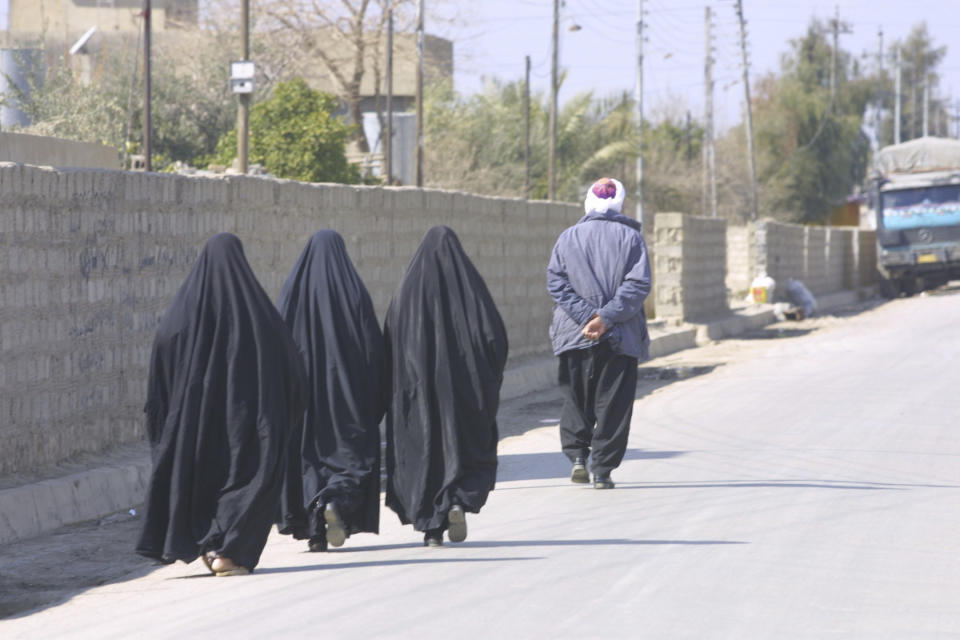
(553, 464)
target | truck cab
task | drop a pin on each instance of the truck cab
(918, 215)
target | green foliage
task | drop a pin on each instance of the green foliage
(811, 152)
(61, 104)
(295, 135)
(477, 143)
(919, 62)
(191, 104)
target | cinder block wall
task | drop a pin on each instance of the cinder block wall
(780, 251)
(56, 152)
(741, 246)
(691, 264)
(825, 259)
(839, 258)
(89, 260)
(815, 258)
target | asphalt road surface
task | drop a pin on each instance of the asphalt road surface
(800, 482)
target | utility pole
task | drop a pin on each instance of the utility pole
(552, 178)
(243, 108)
(878, 116)
(834, 58)
(833, 54)
(751, 160)
(420, 93)
(896, 98)
(709, 165)
(926, 106)
(526, 129)
(147, 116)
(639, 101)
(956, 117)
(388, 140)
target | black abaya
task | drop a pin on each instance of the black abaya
(335, 456)
(226, 387)
(446, 348)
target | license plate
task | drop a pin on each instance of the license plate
(926, 258)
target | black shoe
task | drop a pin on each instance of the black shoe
(457, 524)
(602, 482)
(336, 531)
(433, 538)
(316, 544)
(579, 474)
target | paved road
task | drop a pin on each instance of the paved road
(801, 486)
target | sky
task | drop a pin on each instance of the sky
(491, 38)
(601, 55)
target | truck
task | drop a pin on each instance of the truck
(917, 205)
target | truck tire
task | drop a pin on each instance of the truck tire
(889, 288)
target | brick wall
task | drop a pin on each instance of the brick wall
(89, 260)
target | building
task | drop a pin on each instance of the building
(69, 18)
(89, 27)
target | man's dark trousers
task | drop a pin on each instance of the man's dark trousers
(599, 386)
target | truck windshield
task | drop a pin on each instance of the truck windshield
(924, 207)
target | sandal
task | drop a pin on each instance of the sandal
(225, 567)
(208, 559)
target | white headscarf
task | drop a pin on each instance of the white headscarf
(596, 204)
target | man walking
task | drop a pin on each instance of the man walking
(599, 276)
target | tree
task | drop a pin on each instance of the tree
(476, 143)
(62, 104)
(811, 151)
(919, 61)
(295, 135)
(192, 104)
(340, 36)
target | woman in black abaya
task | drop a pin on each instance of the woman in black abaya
(446, 350)
(332, 481)
(226, 387)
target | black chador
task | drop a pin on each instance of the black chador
(446, 350)
(332, 482)
(225, 390)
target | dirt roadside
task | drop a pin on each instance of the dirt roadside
(52, 568)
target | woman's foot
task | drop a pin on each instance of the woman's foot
(336, 531)
(433, 538)
(225, 567)
(457, 520)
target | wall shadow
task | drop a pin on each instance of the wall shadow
(594, 542)
(387, 563)
(773, 333)
(49, 570)
(778, 484)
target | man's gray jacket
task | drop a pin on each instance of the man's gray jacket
(599, 266)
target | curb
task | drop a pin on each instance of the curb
(36, 508)
(33, 509)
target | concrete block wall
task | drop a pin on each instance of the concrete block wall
(691, 264)
(89, 260)
(780, 250)
(825, 259)
(741, 246)
(838, 258)
(56, 152)
(815, 257)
